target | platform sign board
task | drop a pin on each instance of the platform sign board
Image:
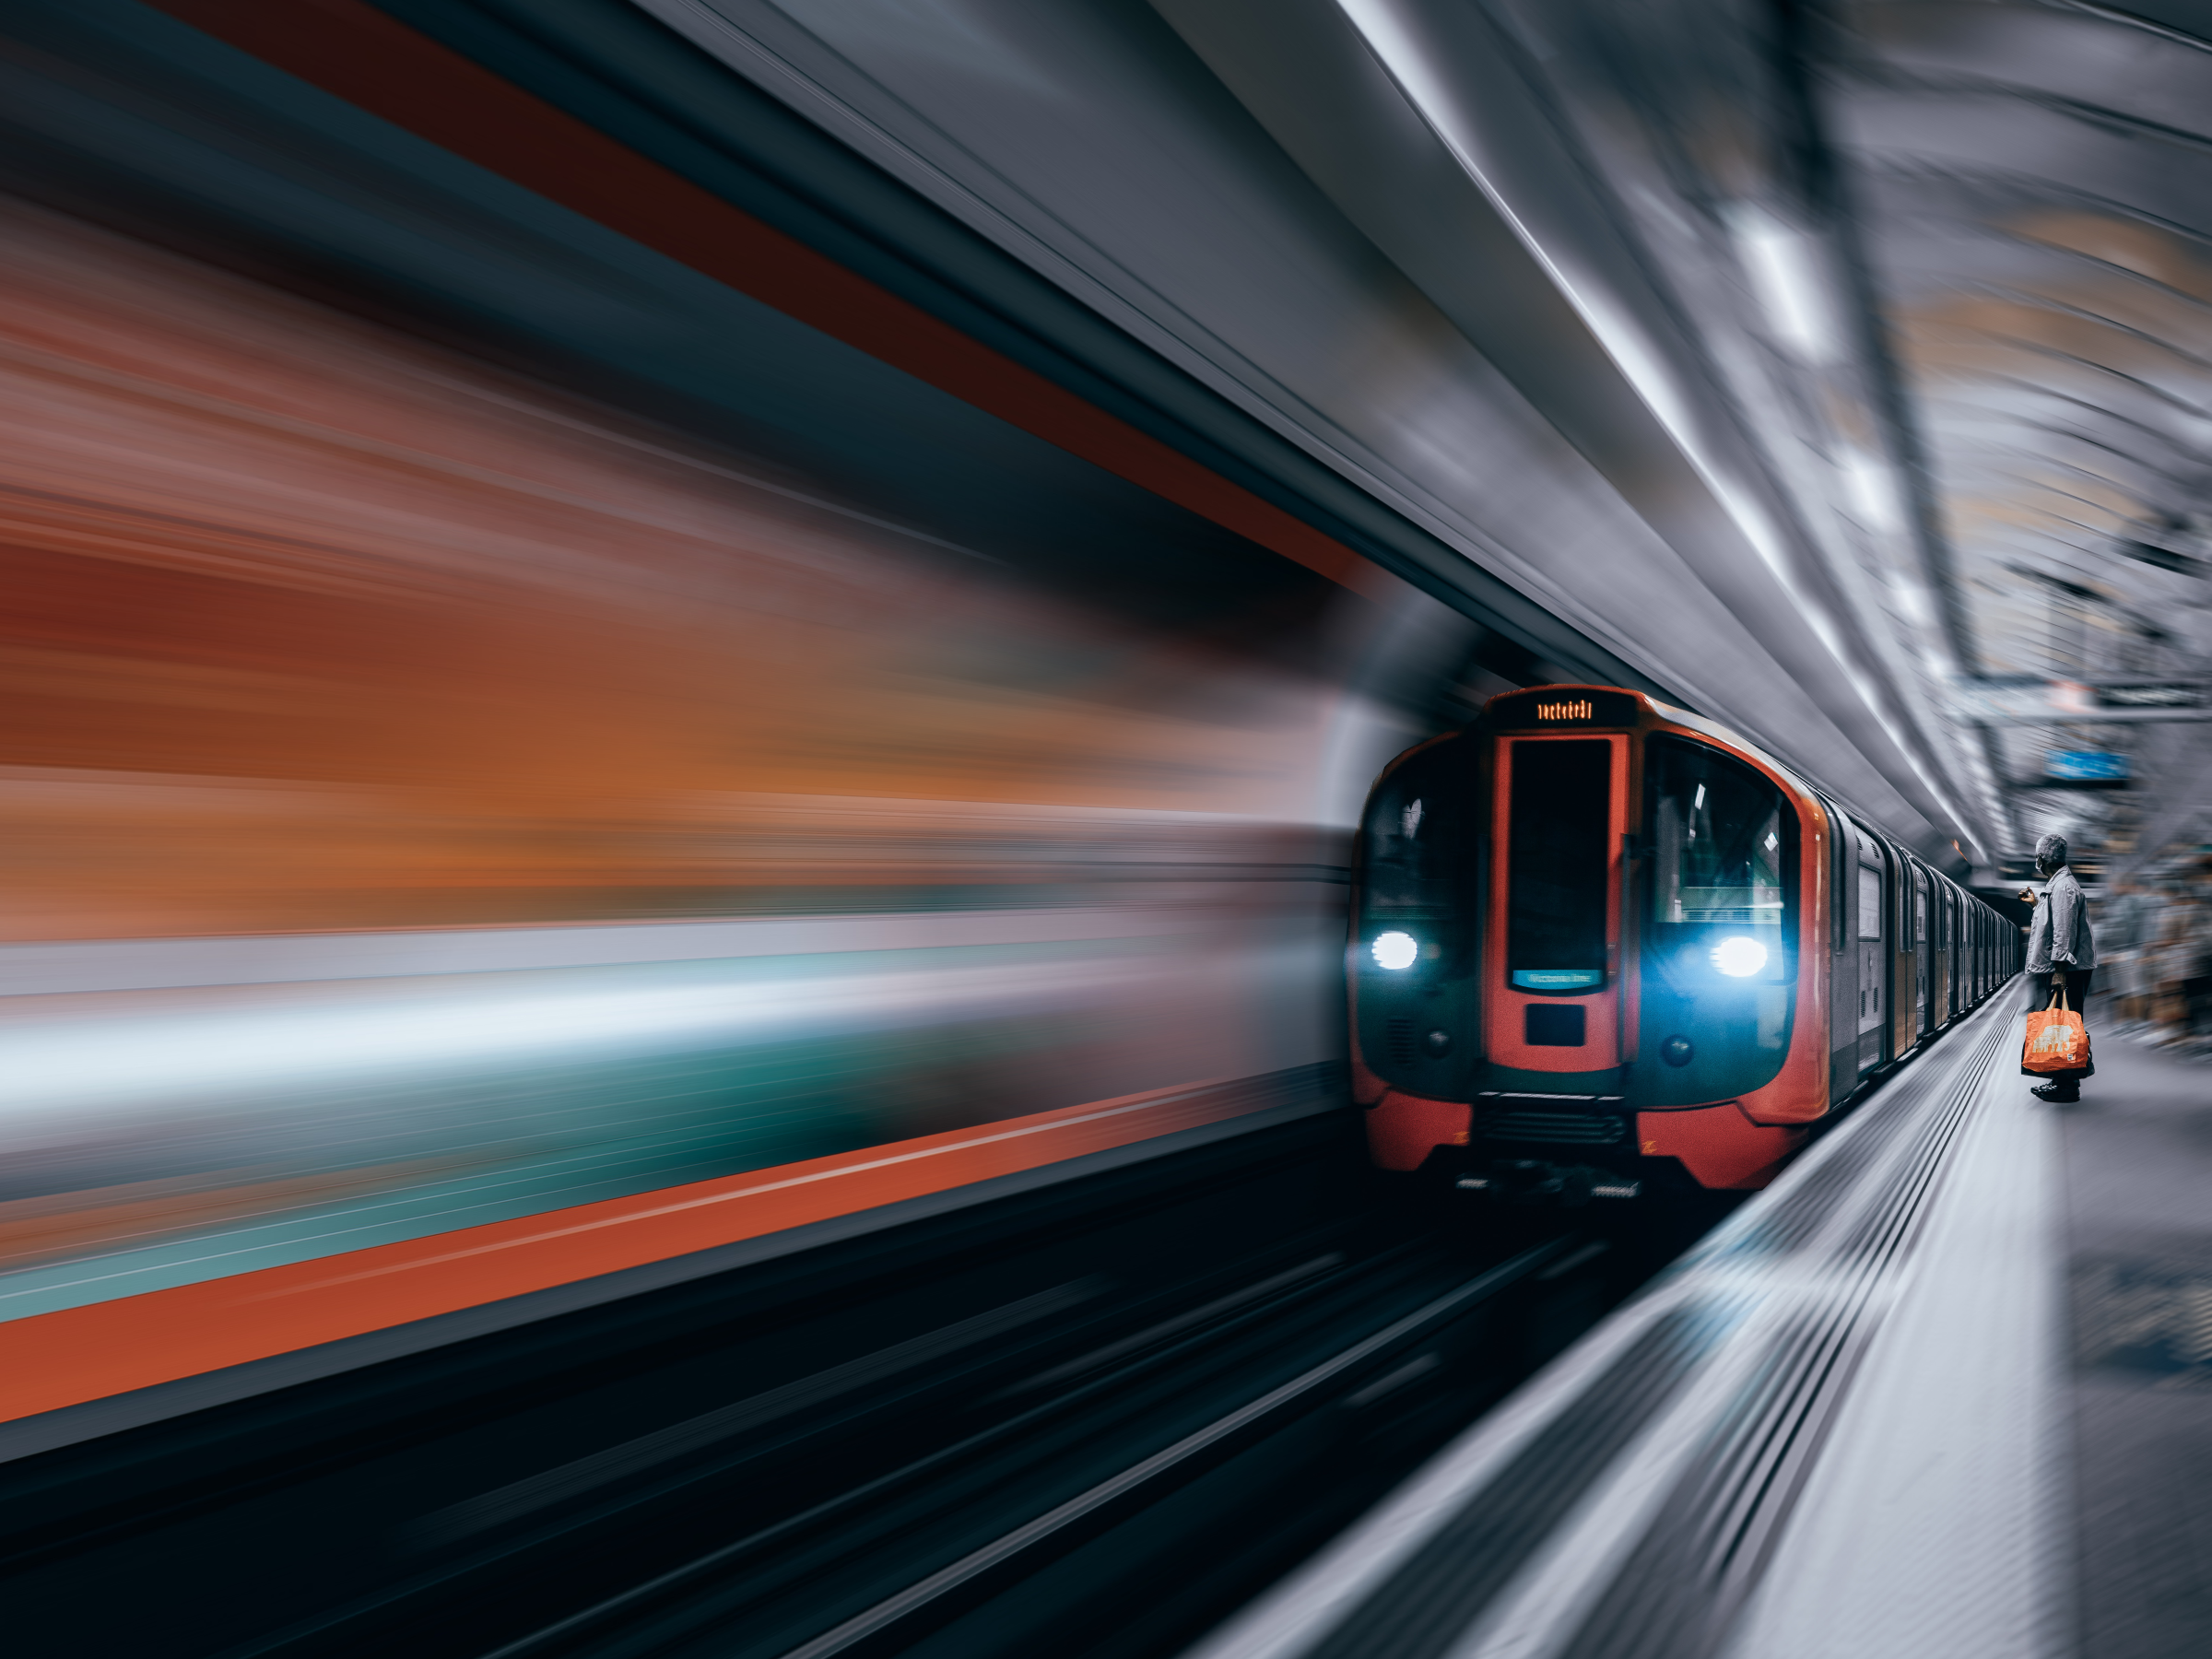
(2024, 700)
(2086, 766)
(1994, 699)
(2152, 694)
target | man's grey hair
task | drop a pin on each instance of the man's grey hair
(2050, 850)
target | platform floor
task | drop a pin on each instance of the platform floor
(1944, 1390)
(2137, 1169)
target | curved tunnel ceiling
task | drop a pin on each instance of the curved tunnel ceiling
(1932, 285)
(2035, 188)
(1358, 283)
(1952, 262)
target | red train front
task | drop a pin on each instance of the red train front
(1597, 943)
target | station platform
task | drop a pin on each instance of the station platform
(1945, 1388)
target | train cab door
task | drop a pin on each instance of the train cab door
(1873, 975)
(1962, 964)
(1898, 925)
(1974, 954)
(1946, 955)
(1960, 972)
(1843, 964)
(1923, 948)
(1554, 999)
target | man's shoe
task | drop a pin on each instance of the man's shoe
(2056, 1094)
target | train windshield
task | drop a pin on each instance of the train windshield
(1559, 816)
(1723, 856)
(1417, 868)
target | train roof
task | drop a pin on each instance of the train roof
(1603, 712)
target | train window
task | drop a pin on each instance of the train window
(1559, 823)
(1870, 904)
(1723, 930)
(1724, 858)
(1417, 858)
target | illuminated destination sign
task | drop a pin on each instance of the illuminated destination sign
(1557, 979)
(1566, 706)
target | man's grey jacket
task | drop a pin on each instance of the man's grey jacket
(2058, 933)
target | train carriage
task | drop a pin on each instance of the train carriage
(1602, 947)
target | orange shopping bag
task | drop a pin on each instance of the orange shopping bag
(2057, 1040)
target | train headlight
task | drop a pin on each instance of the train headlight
(1396, 950)
(1740, 957)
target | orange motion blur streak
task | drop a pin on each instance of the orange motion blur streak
(51, 1360)
(381, 66)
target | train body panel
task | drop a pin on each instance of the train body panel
(1608, 942)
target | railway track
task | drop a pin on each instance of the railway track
(1094, 1424)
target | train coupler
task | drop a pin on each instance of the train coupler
(1536, 1181)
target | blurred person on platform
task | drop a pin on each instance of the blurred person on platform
(2196, 961)
(2061, 953)
(2171, 960)
(2162, 947)
(2125, 930)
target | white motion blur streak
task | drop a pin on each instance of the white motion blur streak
(1399, 53)
(571, 995)
(74, 1065)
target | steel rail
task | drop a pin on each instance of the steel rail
(843, 1637)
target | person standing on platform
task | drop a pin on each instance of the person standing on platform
(2126, 943)
(2061, 953)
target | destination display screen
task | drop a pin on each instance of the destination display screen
(1566, 708)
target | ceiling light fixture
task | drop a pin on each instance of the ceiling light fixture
(1872, 491)
(1785, 273)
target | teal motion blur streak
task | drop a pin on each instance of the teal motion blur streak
(161, 1137)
